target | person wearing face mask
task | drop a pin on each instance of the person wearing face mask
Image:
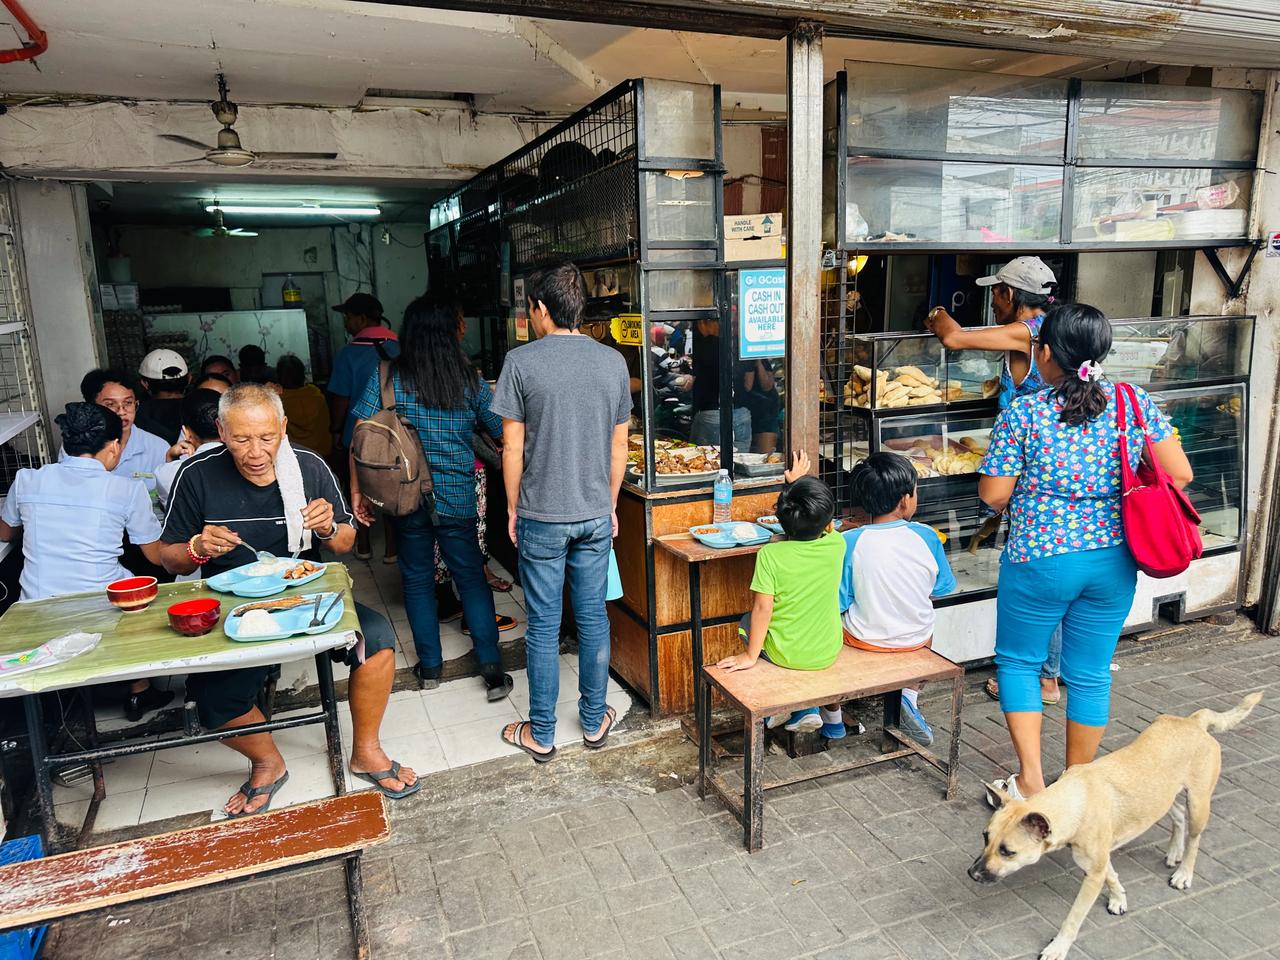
(74, 515)
(1054, 462)
(1022, 290)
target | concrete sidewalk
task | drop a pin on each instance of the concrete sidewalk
(612, 855)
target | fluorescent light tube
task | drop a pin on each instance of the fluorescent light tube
(310, 211)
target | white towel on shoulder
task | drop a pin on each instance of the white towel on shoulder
(294, 495)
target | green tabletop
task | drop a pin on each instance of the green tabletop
(142, 644)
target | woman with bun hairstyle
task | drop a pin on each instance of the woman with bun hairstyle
(74, 515)
(1054, 462)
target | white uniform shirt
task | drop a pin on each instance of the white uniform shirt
(142, 455)
(74, 516)
(166, 473)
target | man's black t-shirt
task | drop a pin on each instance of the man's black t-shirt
(706, 374)
(210, 490)
(163, 417)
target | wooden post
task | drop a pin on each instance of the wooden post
(804, 235)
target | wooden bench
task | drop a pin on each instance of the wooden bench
(83, 881)
(766, 690)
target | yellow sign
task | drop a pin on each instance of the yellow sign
(628, 329)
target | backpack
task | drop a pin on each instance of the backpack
(391, 468)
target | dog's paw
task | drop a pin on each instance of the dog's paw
(1173, 859)
(1181, 879)
(1118, 906)
(1057, 949)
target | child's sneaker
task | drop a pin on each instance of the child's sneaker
(804, 721)
(914, 723)
(834, 731)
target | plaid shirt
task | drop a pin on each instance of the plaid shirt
(446, 440)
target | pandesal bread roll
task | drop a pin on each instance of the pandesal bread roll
(954, 391)
(923, 392)
(973, 445)
(862, 373)
(990, 387)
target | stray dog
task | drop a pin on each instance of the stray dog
(1096, 807)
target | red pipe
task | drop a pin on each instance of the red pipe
(39, 39)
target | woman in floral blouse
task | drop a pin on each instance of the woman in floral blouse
(1054, 461)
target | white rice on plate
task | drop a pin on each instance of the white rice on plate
(258, 623)
(269, 568)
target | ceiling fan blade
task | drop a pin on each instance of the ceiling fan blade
(268, 155)
(241, 232)
(185, 141)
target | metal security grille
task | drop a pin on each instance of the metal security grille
(572, 194)
(22, 434)
(843, 434)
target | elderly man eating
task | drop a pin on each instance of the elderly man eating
(257, 491)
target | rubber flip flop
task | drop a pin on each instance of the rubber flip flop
(517, 740)
(611, 715)
(992, 689)
(392, 774)
(498, 585)
(251, 792)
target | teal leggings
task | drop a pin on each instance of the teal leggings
(1090, 595)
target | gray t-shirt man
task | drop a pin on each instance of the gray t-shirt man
(570, 393)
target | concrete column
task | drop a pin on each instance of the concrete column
(53, 231)
(804, 234)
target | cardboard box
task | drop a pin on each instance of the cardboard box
(758, 237)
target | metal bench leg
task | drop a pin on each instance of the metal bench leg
(355, 901)
(753, 782)
(953, 755)
(705, 759)
(892, 720)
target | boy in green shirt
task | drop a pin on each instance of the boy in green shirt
(795, 615)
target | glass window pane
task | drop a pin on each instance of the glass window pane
(683, 256)
(1123, 204)
(681, 289)
(894, 107)
(680, 205)
(1126, 121)
(928, 201)
(1156, 353)
(679, 120)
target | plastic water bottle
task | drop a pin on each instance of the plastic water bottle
(722, 497)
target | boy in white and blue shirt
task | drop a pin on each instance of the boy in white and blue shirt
(892, 570)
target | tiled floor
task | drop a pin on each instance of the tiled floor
(430, 731)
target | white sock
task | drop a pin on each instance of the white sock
(909, 695)
(832, 716)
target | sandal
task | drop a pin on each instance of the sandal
(392, 774)
(497, 584)
(610, 718)
(992, 688)
(517, 740)
(251, 793)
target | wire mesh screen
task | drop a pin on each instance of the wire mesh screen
(844, 431)
(24, 450)
(573, 195)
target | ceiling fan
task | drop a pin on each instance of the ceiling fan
(229, 152)
(219, 229)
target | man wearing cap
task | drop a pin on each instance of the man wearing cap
(372, 341)
(164, 374)
(1022, 290)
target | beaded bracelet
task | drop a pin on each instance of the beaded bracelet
(196, 558)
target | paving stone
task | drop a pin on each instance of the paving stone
(738, 927)
(460, 906)
(1022, 938)
(498, 941)
(607, 866)
(699, 888)
(876, 947)
(641, 858)
(658, 920)
(579, 931)
(917, 942)
(637, 896)
(1122, 937)
(779, 945)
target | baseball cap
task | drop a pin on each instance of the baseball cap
(1024, 273)
(361, 304)
(163, 365)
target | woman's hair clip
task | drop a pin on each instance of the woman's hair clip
(1051, 298)
(1090, 372)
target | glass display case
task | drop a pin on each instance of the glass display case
(631, 189)
(972, 539)
(1211, 423)
(1160, 352)
(895, 371)
(938, 159)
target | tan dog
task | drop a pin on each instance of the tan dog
(1096, 807)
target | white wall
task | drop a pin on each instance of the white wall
(400, 268)
(1119, 283)
(58, 259)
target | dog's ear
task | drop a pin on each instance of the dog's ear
(1037, 825)
(995, 796)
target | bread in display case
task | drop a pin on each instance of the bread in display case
(894, 371)
(949, 446)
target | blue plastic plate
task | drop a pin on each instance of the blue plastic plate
(771, 524)
(722, 540)
(292, 622)
(237, 582)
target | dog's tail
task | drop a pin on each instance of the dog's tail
(1215, 721)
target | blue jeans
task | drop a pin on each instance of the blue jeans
(417, 538)
(549, 551)
(1052, 668)
(1088, 595)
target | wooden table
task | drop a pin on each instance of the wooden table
(694, 553)
(141, 644)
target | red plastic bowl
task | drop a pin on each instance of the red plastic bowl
(195, 618)
(133, 594)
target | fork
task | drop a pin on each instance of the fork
(316, 619)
